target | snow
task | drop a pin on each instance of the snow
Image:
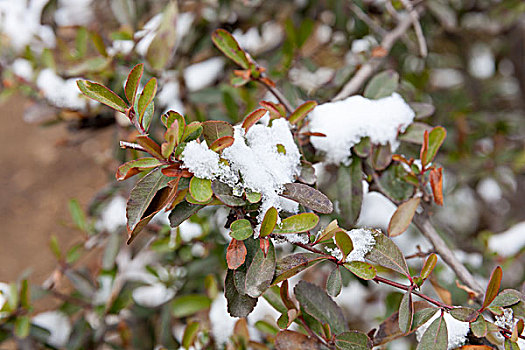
(254, 158)
(445, 78)
(509, 242)
(482, 64)
(200, 75)
(57, 323)
(168, 96)
(345, 122)
(120, 47)
(323, 33)
(189, 230)
(489, 190)
(113, 216)
(311, 81)
(376, 210)
(60, 92)
(253, 42)
(20, 23)
(153, 295)
(74, 13)
(363, 241)
(4, 295)
(457, 330)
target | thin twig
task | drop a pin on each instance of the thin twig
(364, 17)
(417, 27)
(130, 145)
(279, 95)
(362, 75)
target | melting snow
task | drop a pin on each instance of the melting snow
(509, 242)
(457, 330)
(22, 68)
(57, 323)
(345, 122)
(203, 74)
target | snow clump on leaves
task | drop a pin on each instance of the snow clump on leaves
(363, 242)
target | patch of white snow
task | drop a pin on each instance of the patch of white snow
(57, 323)
(508, 242)
(60, 92)
(202, 74)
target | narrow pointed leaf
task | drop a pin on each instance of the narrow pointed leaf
(291, 265)
(192, 131)
(253, 118)
(387, 254)
(133, 82)
(260, 273)
(308, 197)
(136, 166)
(429, 265)
(353, 340)
(435, 337)
(361, 269)
(225, 42)
(334, 283)
(269, 222)
(190, 304)
(301, 112)
(435, 140)
(492, 287)
(145, 98)
(102, 94)
(297, 223)
(436, 183)
(403, 217)
(200, 189)
(190, 334)
(172, 139)
(406, 313)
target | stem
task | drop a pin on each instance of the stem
(312, 333)
(130, 145)
(279, 95)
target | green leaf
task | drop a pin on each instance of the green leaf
(172, 139)
(406, 313)
(422, 315)
(269, 222)
(347, 190)
(182, 212)
(308, 197)
(297, 223)
(22, 326)
(145, 98)
(98, 42)
(215, 129)
(253, 197)
(428, 267)
(160, 51)
(291, 340)
(301, 112)
(492, 287)
(239, 305)
(225, 42)
(170, 117)
(361, 269)
(415, 132)
(381, 156)
(507, 297)
(253, 118)
(464, 314)
(77, 214)
(334, 283)
(435, 140)
(510, 345)
(25, 297)
(479, 327)
(344, 243)
(318, 304)
(387, 254)
(190, 334)
(200, 189)
(192, 131)
(241, 229)
(403, 217)
(225, 194)
(393, 183)
(148, 116)
(133, 82)
(136, 166)
(102, 94)
(353, 340)
(187, 305)
(260, 273)
(435, 337)
(55, 247)
(291, 265)
(382, 85)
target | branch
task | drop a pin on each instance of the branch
(130, 145)
(417, 27)
(279, 95)
(362, 75)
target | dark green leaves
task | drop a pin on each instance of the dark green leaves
(225, 42)
(183, 211)
(297, 223)
(319, 305)
(334, 283)
(464, 314)
(387, 254)
(187, 305)
(102, 94)
(260, 273)
(492, 287)
(353, 340)
(133, 82)
(308, 197)
(382, 85)
(241, 229)
(225, 194)
(435, 337)
(239, 305)
(403, 217)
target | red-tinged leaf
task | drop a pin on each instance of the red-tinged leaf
(435, 140)
(291, 340)
(192, 131)
(381, 156)
(172, 139)
(479, 327)
(136, 166)
(253, 118)
(464, 314)
(309, 197)
(102, 94)
(344, 243)
(517, 330)
(276, 110)
(174, 171)
(406, 313)
(222, 143)
(301, 112)
(492, 287)
(267, 81)
(328, 232)
(403, 217)
(235, 254)
(269, 222)
(215, 129)
(170, 117)
(476, 347)
(285, 297)
(318, 134)
(150, 146)
(423, 152)
(133, 82)
(264, 244)
(225, 42)
(361, 269)
(428, 267)
(145, 98)
(436, 182)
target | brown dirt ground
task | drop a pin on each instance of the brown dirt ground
(39, 176)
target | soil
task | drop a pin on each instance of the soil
(42, 169)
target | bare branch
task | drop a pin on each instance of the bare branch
(130, 145)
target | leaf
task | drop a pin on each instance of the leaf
(182, 212)
(145, 98)
(436, 182)
(428, 266)
(297, 223)
(22, 326)
(276, 110)
(464, 314)
(479, 327)
(269, 222)
(253, 197)
(348, 192)
(225, 194)
(381, 156)
(260, 273)
(239, 305)
(344, 243)
(511, 345)
(361, 269)
(291, 340)
(334, 283)
(225, 42)
(318, 304)
(422, 109)
(328, 232)
(492, 287)
(160, 51)
(172, 139)
(150, 146)
(192, 131)
(403, 217)
(133, 82)
(235, 254)
(215, 129)
(406, 313)
(253, 118)
(435, 140)
(387, 254)
(241, 229)
(435, 337)
(102, 94)
(187, 305)
(170, 117)
(414, 133)
(77, 214)
(353, 340)
(507, 297)
(200, 189)
(382, 85)
(136, 166)
(301, 112)
(222, 143)
(291, 265)
(422, 316)
(308, 197)
(143, 199)
(190, 334)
